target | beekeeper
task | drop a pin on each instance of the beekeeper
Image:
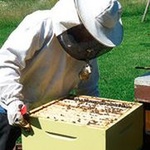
(52, 53)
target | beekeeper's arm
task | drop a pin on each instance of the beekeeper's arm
(21, 45)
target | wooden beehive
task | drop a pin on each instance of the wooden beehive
(86, 123)
(142, 95)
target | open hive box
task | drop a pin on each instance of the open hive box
(86, 123)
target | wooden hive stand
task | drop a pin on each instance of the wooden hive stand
(18, 147)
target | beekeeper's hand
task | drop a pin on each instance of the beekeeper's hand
(15, 112)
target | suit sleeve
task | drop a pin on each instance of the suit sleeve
(21, 45)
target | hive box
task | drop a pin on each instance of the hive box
(142, 94)
(124, 132)
(142, 88)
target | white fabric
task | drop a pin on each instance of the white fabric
(102, 18)
(13, 112)
(35, 68)
(64, 16)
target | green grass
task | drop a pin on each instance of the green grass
(117, 68)
(10, 18)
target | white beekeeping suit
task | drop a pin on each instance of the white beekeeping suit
(33, 65)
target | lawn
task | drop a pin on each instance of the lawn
(117, 68)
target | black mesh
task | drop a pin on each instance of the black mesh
(79, 43)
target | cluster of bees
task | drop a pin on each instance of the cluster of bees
(85, 111)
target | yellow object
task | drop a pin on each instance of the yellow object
(126, 133)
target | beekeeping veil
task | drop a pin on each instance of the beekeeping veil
(100, 18)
